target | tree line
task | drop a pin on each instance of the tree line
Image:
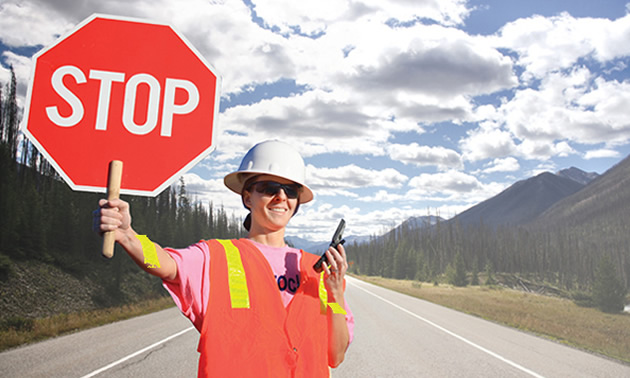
(581, 262)
(43, 219)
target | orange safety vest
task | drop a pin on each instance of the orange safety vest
(247, 331)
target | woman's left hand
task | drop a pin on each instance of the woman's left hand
(338, 336)
(334, 277)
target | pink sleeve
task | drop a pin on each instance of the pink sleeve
(349, 322)
(191, 287)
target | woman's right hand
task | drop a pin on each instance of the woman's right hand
(112, 215)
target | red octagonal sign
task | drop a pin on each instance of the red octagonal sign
(122, 89)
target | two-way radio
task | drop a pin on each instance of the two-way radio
(336, 240)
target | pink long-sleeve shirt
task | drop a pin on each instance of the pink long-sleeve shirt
(191, 287)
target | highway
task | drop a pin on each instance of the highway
(395, 336)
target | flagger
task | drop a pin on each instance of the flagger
(260, 308)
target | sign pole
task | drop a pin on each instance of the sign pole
(114, 177)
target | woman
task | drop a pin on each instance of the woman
(229, 288)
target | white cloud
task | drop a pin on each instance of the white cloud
(213, 190)
(545, 166)
(484, 143)
(413, 153)
(445, 182)
(457, 65)
(382, 196)
(547, 44)
(44, 24)
(353, 176)
(508, 164)
(540, 123)
(571, 106)
(314, 16)
(602, 153)
(452, 187)
(316, 122)
(419, 74)
(318, 221)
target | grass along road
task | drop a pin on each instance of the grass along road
(554, 318)
(19, 331)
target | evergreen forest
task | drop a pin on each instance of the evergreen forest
(588, 262)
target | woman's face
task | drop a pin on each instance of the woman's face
(270, 212)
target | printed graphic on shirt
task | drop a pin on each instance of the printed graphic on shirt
(288, 279)
(290, 284)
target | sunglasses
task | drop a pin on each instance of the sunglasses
(271, 188)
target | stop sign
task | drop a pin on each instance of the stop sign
(121, 89)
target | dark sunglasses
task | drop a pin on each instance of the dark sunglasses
(271, 188)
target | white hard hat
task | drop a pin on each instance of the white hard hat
(270, 158)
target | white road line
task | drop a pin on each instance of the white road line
(495, 355)
(95, 372)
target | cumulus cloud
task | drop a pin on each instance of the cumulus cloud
(456, 66)
(353, 176)
(602, 153)
(446, 182)
(566, 108)
(452, 188)
(485, 143)
(508, 164)
(44, 24)
(547, 44)
(438, 156)
(570, 105)
(313, 17)
(328, 122)
(208, 191)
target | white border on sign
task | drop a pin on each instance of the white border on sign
(169, 181)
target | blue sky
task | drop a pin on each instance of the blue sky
(400, 108)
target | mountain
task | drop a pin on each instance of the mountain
(301, 243)
(321, 246)
(605, 201)
(521, 202)
(318, 247)
(419, 222)
(578, 175)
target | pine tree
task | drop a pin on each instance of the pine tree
(475, 273)
(608, 292)
(457, 271)
(400, 261)
(490, 274)
(10, 114)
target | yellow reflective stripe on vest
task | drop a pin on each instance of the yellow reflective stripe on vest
(323, 299)
(323, 295)
(237, 282)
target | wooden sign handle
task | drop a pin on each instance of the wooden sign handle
(114, 176)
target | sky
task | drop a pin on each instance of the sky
(400, 108)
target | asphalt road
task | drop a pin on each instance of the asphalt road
(395, 336)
